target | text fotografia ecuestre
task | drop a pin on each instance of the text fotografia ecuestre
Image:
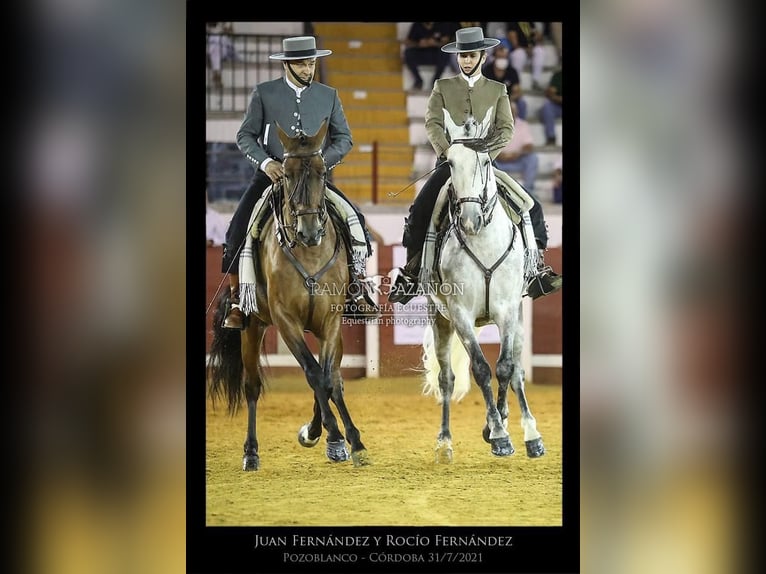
(388, 540)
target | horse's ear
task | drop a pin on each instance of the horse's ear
(486, 124)
(449, 125)
(321, 133)
(282, 134)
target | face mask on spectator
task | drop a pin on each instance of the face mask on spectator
(501, 63)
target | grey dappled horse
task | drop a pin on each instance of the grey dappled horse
(481, 263)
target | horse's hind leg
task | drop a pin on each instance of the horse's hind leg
(532, 438)
(251, 353)
(482, 374)
(330, 353)
(442, 330)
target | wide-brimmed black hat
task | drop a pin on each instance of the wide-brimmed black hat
(299, 48)
(470, 40)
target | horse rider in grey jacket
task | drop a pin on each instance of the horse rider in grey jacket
(296, 103)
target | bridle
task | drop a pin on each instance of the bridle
(300, 187)
(487, 203)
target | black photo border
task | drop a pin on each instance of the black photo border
(231, 549)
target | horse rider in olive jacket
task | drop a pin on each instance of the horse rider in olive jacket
(467, 94)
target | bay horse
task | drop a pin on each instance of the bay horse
(478, 279)
(301, 247)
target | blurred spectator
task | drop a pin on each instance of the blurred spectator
(526, 45)
(453, 27)
(558, 181)
(518, 155)
(500, 70)
(548, 33)
(423, 48)
(497, 29)
(551, 109)
(220, 47)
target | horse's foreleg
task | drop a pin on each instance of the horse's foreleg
(251, 352)
(504, 372)
(330, 354)
(359, 454)
(319, 381)
(482, 374)
(532, 438)
(443, 332)
(309, 434)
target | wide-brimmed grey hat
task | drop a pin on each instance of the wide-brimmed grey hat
(470, 40)
(299, 48)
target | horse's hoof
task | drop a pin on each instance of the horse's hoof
(502, 446)
(443, 453)
(303, 437)
(361, 458)
(535, 447)
(337, 451)
(251, 462)
(485, 433)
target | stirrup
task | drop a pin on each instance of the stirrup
(235, 319)
(544, 282)
(404, 289)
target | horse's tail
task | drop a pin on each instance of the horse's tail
(460, 367)
(225, 368)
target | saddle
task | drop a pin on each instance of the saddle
(262, 213)
(512, 197)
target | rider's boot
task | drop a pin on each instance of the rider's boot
(235, 319)
(545, 281)
(359, 304)
(406, 285)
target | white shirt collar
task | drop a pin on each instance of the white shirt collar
(472, 80)
(298, 89)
